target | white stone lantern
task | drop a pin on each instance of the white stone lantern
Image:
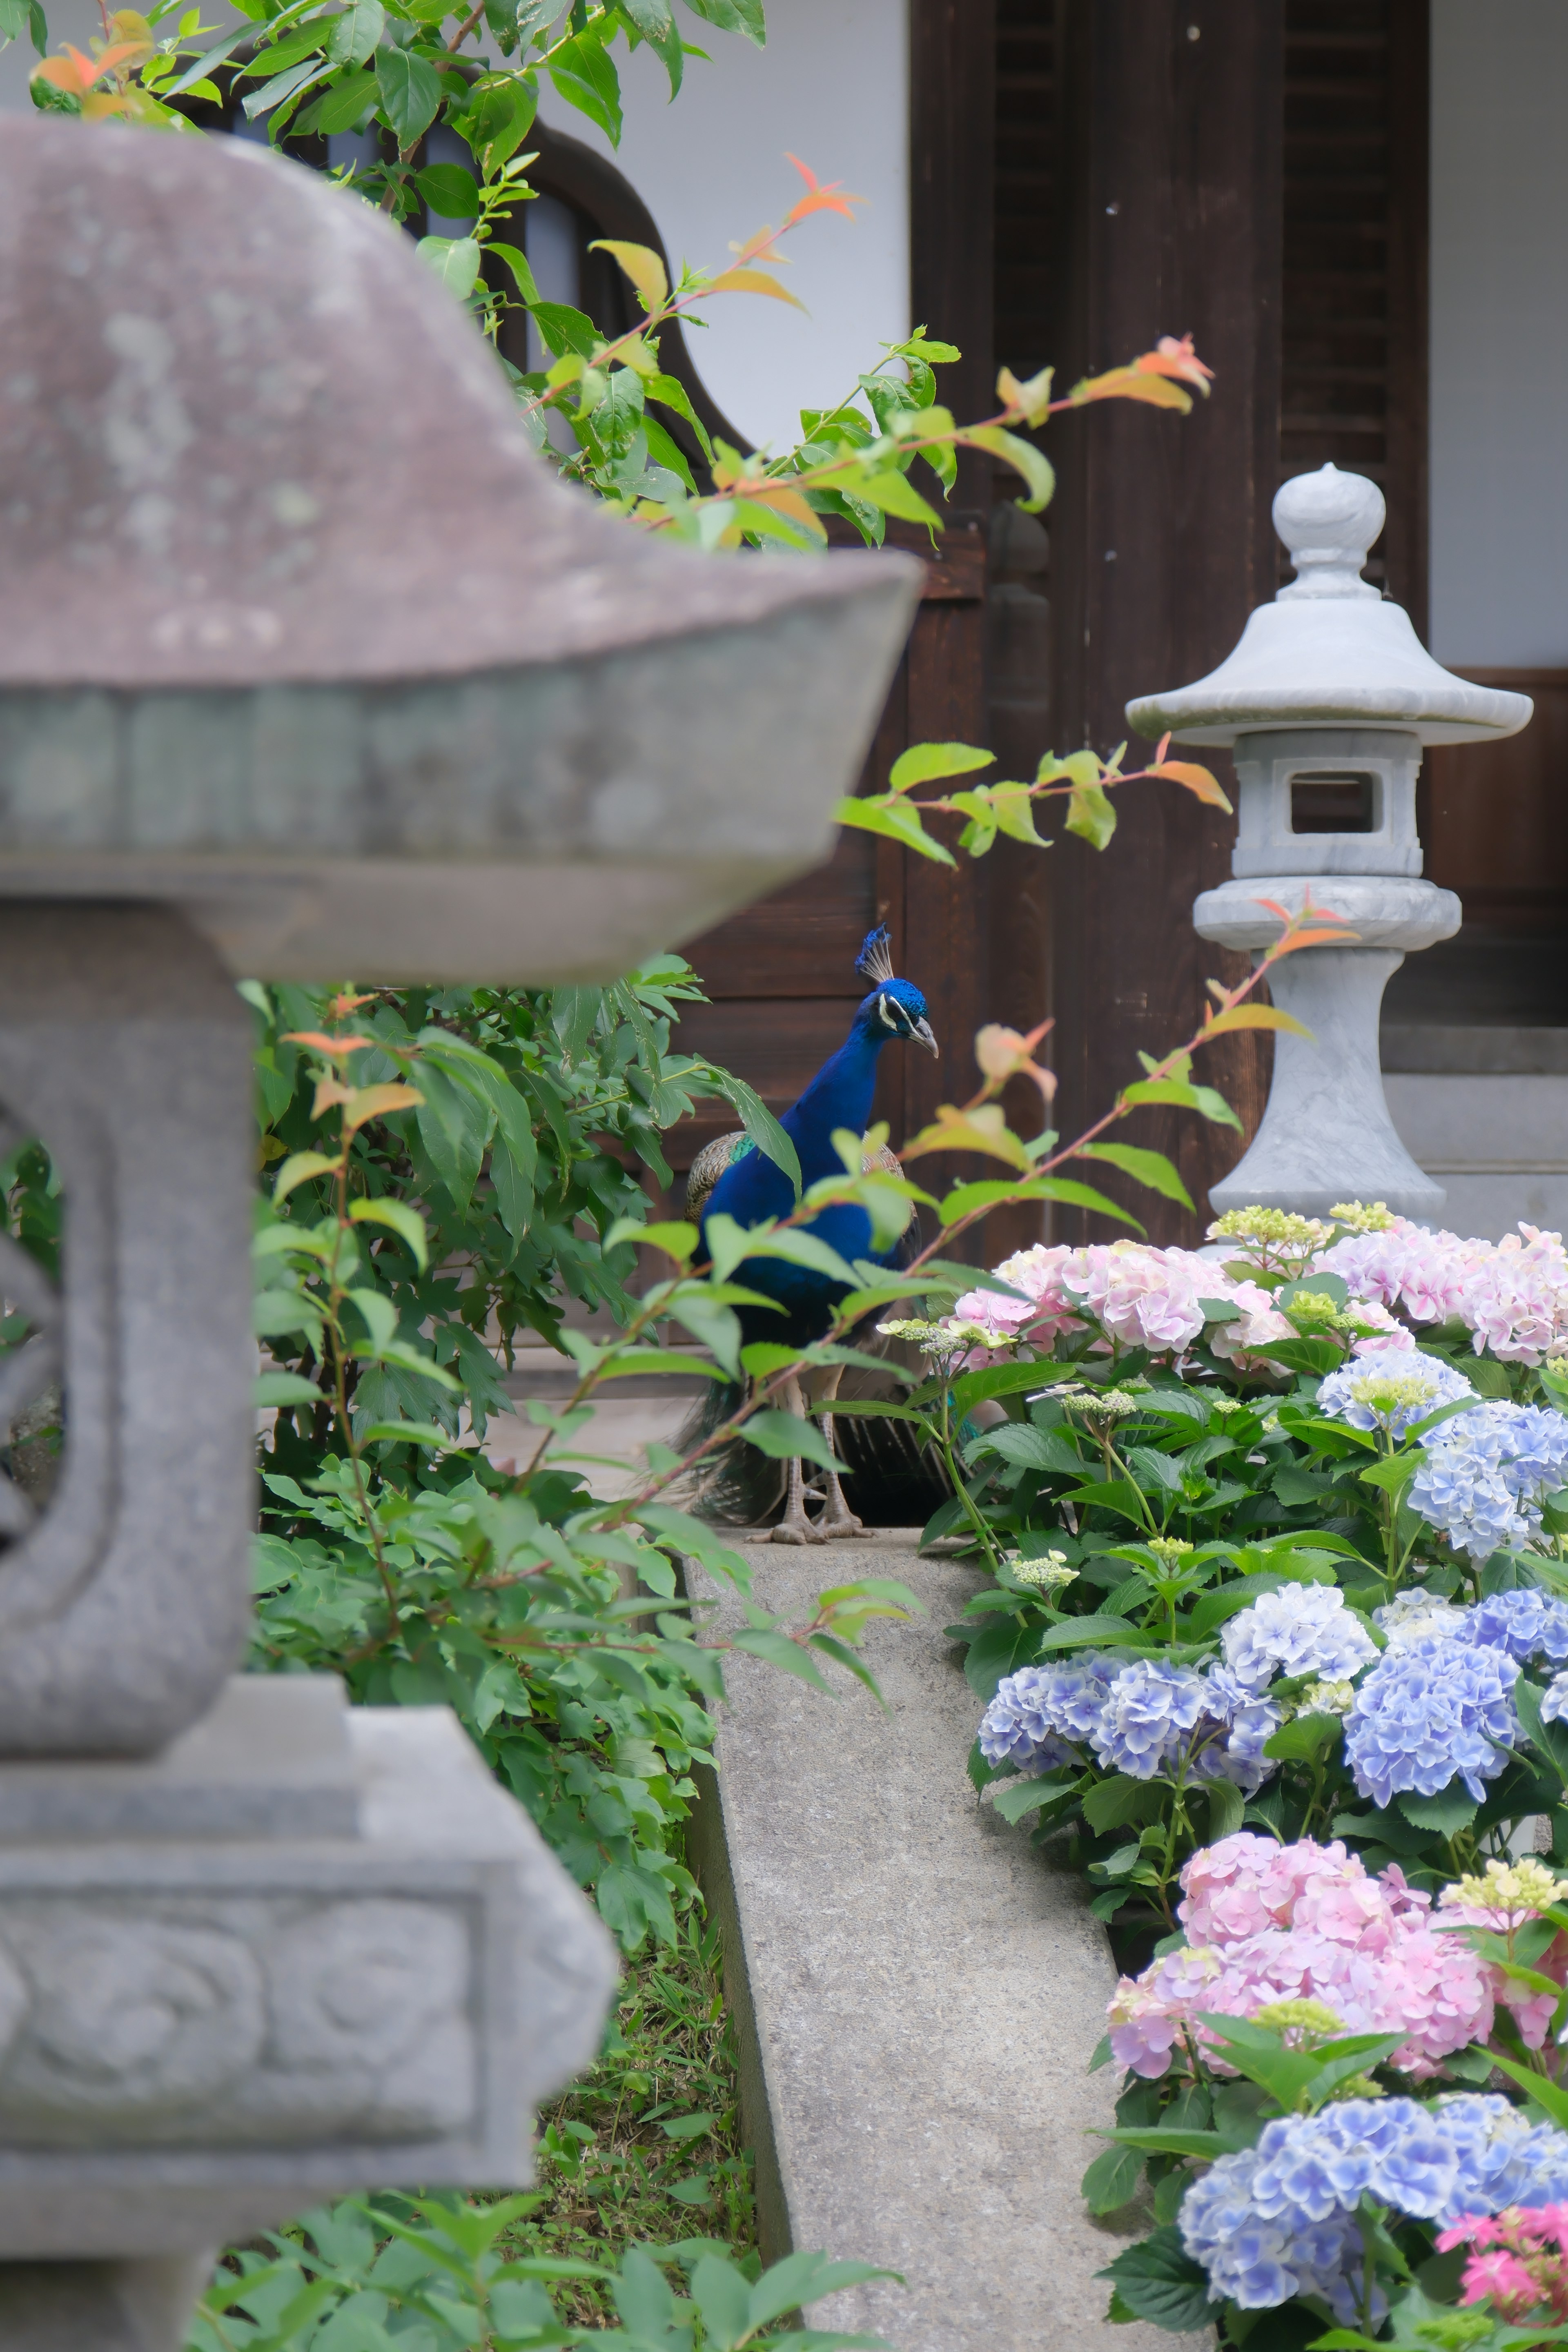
(1327, 700)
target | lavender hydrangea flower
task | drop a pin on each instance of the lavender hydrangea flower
(1149, 1710)
(1246, 1720)
(1257, 2262)
(1486, 1471)
(1428, 1711)
(1278, 2220)
(1039, 1711)
(1393, 1394)
(1415, 1616)
(1302, 1629)
(1554, 1700)
(1527, 1623)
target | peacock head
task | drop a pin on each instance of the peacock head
(895, 1008)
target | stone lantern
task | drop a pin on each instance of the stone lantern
(308, 670)
(1329, 699)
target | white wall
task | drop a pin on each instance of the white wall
(832, 87)
(1499, 331)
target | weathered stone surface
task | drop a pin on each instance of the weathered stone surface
(272, 1752)
(919, 1992)
(475, 729)
(123, 1602)
(201, 2035)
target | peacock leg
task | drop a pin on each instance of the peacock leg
(794, 1528)
(838, 1518)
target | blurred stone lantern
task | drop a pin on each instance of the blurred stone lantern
(1329, 699)
(308, 670)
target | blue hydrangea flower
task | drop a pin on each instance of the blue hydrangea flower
(1039, 1711)
(1302, 1629)
(1527, 1623)
(1428, 1711)
(1228, 1741)
(1278, 2220)
(1485, 1473)
(1149, 1710)
(1554, 1702)
(1393, 1391)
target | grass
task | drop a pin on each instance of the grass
(646, 2148)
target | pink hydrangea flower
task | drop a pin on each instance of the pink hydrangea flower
(1504, 2277)
(1516, 1300)
(1269, 1923)
(1425, 1274)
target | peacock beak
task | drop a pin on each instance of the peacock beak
(921, 1035)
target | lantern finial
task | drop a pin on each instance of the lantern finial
(1329, 521)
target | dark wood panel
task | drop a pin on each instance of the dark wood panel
(1025, 180)
(1491, 819)
(1356, 100)
(1162, 537)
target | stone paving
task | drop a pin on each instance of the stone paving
(918, 1992)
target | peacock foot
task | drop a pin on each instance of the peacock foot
(845, 1525)
(798, 1531)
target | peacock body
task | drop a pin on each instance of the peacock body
(731, 1178)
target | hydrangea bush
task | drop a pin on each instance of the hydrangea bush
(1272, 1643)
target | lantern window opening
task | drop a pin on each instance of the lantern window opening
(1333, 801)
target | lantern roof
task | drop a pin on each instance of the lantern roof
(1329, 651)
(297, 630)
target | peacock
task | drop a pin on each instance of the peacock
(731, 1178)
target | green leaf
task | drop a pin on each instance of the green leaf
(1550, 2098)
(1091, 815)
(1013, 1799)
(966, 1198)
(1451, 1810)
(450, 191)
(1184, 1096)
(784, 1436)
(410, 93)
(895, 495)
(400, 1219)
(565, 330)
(340, 108)
(1159, 2281)
(585, 77)
(1032, 463)
(761, 1125)
(723, 2293)
(1081, 1632)
(406, 1432)
(516, 262)
(1147, 1168)
(672, 394)
(285, 1388)
(923, 762)
(1110, 1803)
(455, 261)
(896, 820)
(358, 31)
(1112, 2178)
(743, 16)
(1305, 1735)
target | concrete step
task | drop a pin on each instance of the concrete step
(917, 1991)
(1496, 1140)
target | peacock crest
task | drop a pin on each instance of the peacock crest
(875, 960)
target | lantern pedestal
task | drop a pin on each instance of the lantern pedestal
(1326, 1135)
(307, 1949)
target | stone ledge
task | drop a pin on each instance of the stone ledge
(916, 1991)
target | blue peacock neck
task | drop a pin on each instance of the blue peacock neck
(840, 1096)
